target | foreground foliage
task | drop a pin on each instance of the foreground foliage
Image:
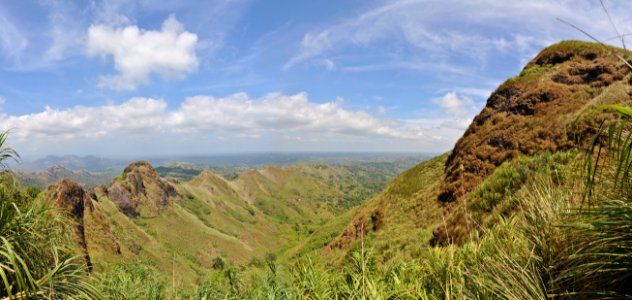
(36, 261)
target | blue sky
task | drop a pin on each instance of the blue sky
(145, 77)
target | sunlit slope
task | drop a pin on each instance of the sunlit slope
(181, 227)
(402, 216)
(549, 107)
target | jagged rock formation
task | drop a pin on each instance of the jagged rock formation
(70, 198)
(91, 230)
(140, 191)
(543, 109)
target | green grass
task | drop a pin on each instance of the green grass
(37, 257)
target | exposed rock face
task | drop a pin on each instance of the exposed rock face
(532, 112)
(91, 229)
(140, 191)
(70, 198)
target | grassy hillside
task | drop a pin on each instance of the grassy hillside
(401, 216)
(209, 218)
(549, 107)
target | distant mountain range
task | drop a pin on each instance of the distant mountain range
(111, 165)
(43, 178)
(73, 162)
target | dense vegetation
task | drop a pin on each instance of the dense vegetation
(36, 256)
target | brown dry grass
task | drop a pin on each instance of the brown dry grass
(533, 112)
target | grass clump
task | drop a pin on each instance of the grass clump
(136, 280)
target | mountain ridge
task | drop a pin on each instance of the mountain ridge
(540, 110)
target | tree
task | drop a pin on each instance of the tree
(218, 263)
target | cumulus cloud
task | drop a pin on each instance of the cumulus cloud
(137, 115)
(139, 53)
(236, 115)
(281, 113)
(454, 105)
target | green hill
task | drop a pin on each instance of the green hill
(542, 110)
(140, 216)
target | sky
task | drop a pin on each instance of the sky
(159, 77)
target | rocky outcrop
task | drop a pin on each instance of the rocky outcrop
(533, 111)
(139, 190)
(89, 224)
(70, 198)
(543, 109)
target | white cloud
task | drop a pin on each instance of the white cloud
(281, 113)
(138, 53)
(233, 115)
(66, 32)
(138, 115)
(312, 45)
(454, 105)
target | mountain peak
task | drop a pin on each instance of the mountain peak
(140, 165)
(139, 190)
(532, 112)
(70, 198)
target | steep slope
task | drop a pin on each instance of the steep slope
(544, 109)
(91, 231)
(400, 216)
(533, 111)
(549, 107)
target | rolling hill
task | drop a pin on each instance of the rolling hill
(140, 215)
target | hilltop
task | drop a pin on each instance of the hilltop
(542, 110)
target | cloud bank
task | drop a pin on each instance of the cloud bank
(276, 117)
